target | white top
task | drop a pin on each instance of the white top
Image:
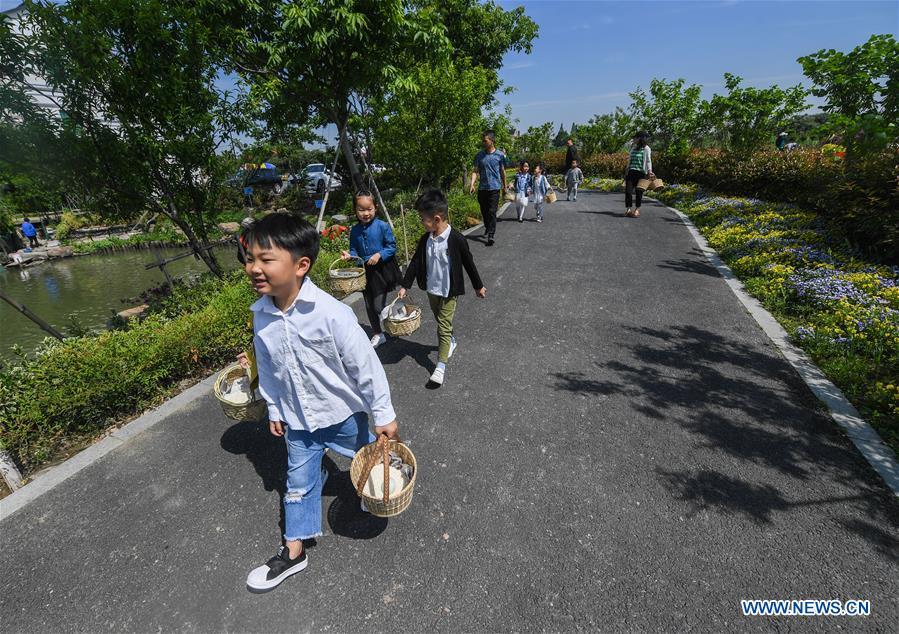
(316, 365)
(439, 264)
(647, 160)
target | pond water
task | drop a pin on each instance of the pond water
(88, 288)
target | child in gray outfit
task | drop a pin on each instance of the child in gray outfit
(573, 178)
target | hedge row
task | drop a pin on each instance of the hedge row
(860, 199)
(74, 389)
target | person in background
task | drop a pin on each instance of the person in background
(541, 186)
(573, 178)
(781, 142)
(571, 154)
(490, 168)
(30, 232)
(639, 166)
(522, 187)
(248, 195)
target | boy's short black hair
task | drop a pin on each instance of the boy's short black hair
(523, 162)
(432, 202)
(25, 219)
(489, 134)
(284, 231)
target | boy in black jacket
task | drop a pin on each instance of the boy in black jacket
(437, 266)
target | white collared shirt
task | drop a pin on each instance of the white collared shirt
(439, 264)
(316, 365)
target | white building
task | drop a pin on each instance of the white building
(37, 88)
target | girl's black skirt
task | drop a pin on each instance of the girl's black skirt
(383, 277)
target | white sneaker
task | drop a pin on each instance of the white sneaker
(437, 376)
(378, 339)
(452, 349)
(275, 570)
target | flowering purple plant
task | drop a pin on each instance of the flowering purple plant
(826, 285)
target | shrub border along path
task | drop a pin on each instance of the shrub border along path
(46, 480)
(862, 435)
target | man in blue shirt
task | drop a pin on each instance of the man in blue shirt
(489, 166)
(30, 232)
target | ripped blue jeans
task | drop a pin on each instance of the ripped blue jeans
(306, 476)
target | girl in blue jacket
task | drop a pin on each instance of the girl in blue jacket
(372, 240)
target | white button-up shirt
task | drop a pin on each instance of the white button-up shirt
(316, 365)
(439, 264)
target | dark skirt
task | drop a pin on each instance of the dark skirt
(383, 277)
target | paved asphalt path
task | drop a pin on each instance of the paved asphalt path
(617, 447)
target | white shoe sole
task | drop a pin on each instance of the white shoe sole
(270, 584)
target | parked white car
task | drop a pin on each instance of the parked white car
(315, 178)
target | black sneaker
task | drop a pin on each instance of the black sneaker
(275, 570)
(490, 241)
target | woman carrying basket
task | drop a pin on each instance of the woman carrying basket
(372, 241)
(639, 166)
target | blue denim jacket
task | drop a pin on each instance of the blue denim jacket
(375, 237)
(523, 182)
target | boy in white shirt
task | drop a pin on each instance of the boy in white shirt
(318, 373)
(437, 265)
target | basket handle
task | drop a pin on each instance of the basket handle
(339, 259)
(384, 445)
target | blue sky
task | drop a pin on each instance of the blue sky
(591, 53)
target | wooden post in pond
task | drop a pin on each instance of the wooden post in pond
(25, 311)
(161, 264)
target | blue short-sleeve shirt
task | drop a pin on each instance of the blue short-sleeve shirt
(490, 168)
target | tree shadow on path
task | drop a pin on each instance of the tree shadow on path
(744, 402)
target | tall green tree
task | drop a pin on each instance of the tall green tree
(671, 113)
(561, 137)
(605, 133)
(861, 89)
(334, 59)
(537, 140)
(430, 133)
(323, 58)
(143, 116)
(746, 118)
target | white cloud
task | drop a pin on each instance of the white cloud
(518, 65)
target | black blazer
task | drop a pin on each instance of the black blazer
(459, 256)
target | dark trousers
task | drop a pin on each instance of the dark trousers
(33, 241)
(488, 199)
(630, 184)
(375, 301)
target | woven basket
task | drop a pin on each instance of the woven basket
(651, 184)
(366, 459)
(403, 327)
(348, 280)
(551, 196)
(252, 411)
(509, 196)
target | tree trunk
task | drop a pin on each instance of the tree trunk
(195, 243)
(347, 149)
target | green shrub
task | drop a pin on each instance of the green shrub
(73, 388)
(860, 198)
